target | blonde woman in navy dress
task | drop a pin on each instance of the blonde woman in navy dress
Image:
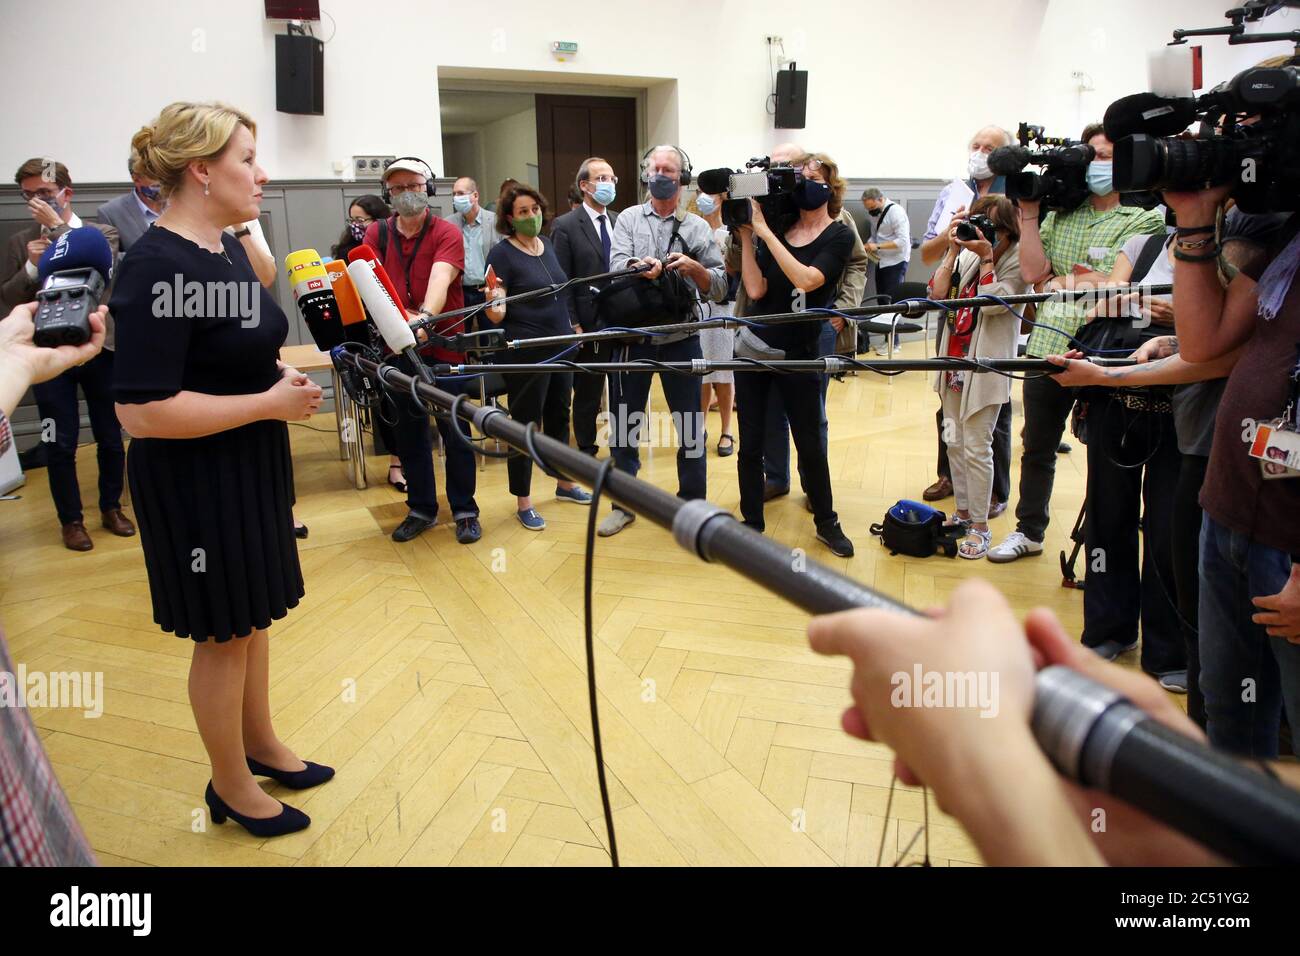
(200, 388)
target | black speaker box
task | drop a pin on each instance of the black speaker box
(791, 98)
(299, 75)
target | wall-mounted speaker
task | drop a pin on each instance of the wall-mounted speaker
(299, 74)
(791, 98)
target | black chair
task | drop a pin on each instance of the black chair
(888, 324)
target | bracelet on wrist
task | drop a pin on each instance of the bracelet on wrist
(1193, 230)
(1197, 244)
(1211, 255)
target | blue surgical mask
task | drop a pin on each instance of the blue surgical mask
(663, 187)
(1100, 180)
(53, 203)
(604, 193)
(151, 193)
(706, 204)
(462, 204)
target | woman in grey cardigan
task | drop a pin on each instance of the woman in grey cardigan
(986, 265)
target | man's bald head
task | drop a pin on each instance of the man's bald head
(786, 153)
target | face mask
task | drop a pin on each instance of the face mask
(706, 204)
(1099, 177)
(663, 187)
(978, 165)
(462, 204)
(528, 226)
(812, 195)
(53, 203)
(358, 230)
(604, 193)
(874, 212)
(151, 193)
(410, 203)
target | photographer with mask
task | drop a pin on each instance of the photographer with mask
(1071, 250)
(799, 269)
(668, 239)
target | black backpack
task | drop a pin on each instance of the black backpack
(1116, 335)
(916, 529)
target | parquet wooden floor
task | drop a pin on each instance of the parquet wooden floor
(447, 683)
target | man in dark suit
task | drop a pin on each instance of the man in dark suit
(47, 187)
(582, 242)
(134, 212)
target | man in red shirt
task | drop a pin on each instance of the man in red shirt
(424, 256)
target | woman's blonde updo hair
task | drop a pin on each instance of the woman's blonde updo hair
(183, 133)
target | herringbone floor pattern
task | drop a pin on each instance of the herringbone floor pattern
(447, 683)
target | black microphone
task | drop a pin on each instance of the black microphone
(714, 181)
(1009, 160)
(73, 272)
(1148, 113)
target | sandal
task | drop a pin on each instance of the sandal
(976, 544)
(399, 485)
(731, 445)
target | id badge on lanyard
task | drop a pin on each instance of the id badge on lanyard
(1277, 443)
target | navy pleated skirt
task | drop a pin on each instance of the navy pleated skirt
(216, 525)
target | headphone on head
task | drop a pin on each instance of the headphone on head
(429, 189)
(684, 179)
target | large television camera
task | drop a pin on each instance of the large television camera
(772, 187)
(1248, 131)
(1063, 183)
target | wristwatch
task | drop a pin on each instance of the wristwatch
(241, 233)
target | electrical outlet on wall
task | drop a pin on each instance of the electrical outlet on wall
(370, 167)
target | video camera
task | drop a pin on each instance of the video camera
(771, 186)
(1063, 183)
(1248, 134)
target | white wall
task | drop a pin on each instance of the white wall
(895, 87)
(509, 145)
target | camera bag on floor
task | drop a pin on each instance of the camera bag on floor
(916, 529)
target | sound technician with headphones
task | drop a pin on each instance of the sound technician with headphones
(670, 240)
(424, 255)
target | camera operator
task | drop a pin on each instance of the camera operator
(972, 403)
(47, 188)
(852, 285)
(645, 235)
(1071, 250)
(799, 269)
(981, 182)
(38, 825)
(1250, 539)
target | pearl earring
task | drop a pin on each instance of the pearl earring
(205, 189)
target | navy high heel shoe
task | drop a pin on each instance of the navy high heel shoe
(289, 820)
(313, 775)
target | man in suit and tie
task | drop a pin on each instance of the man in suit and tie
(134, 212)
(47, 187)
(582, 243)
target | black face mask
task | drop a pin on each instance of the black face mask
(812, 195)
(874, 212)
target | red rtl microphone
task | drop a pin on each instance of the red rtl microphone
(364, 253)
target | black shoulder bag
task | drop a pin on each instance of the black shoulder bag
(634, 302)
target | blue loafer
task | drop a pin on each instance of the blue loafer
(574, 494)
(530, 519)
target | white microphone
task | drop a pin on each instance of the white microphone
(389, 318)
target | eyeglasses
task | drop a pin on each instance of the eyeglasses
(46, 194)
(607, 178)
(398, 190)
(813, 165)
(360, 221)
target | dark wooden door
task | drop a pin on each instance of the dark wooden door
(571, 128)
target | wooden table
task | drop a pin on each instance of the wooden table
(347, 414)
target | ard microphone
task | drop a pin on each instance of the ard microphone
(383, 308)
(1148, 113)
(714, 181)
(73, 272)
(1008, 160)
(314, 297)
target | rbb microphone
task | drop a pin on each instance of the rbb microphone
(383, 308)
(73, 272)
(314, 297)
(351, 312)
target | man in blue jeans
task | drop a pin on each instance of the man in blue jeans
(1249, 614)
(668, 239)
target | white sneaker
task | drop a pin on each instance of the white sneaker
(616, 522)
(1013, 546)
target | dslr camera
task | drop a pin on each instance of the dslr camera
(977, 226)
(1248, 132)
(1063, 183)
(771, 186)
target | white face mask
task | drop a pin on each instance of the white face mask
(978, 165)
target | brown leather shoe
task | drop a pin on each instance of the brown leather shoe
(939, 490)
(118, 523)
(75, 537)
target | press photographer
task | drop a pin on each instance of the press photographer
(1074, 249)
